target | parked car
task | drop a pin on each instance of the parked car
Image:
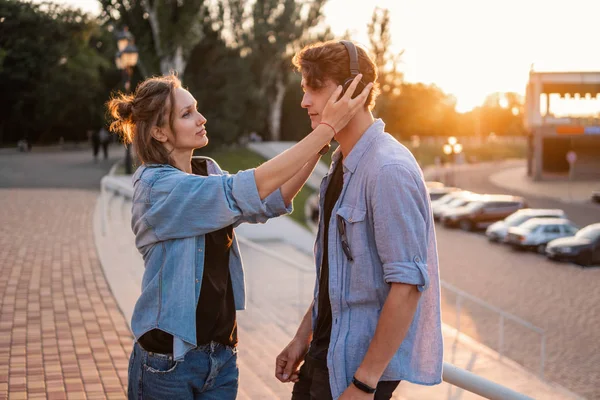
(434, 185)
(596, 196)
(456, 197)
(486, 210)
(536, 233)
(583, 248)
(437, 193)
(460, 201)
(498, 230)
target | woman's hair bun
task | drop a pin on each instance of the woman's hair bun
(120, 109)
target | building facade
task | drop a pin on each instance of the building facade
(562, 116)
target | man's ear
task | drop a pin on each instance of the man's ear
(159, 134)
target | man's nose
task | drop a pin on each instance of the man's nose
(306, 101)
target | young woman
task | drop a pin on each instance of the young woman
(183, 215)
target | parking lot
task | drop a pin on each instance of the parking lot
(560, 298)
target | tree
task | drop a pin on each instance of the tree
(166, 31)
(52, 84)
(502, 113)
(389, 77)
(275, 30)
(221, 82)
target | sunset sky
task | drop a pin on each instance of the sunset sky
(471, 48)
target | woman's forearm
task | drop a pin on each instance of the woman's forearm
(290, 189)
(274, 173)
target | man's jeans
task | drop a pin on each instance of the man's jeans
(313, 383)
(208, 372)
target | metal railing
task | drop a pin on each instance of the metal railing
(502, 315)
(451, 374)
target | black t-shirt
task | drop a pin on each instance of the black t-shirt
(215, 311)
(322, 332)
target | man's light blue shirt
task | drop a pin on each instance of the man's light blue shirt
(172, 212)
(385, 205)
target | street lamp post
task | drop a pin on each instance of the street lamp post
(125, 60)
(452, 149)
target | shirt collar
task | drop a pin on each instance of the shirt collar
(351, 160)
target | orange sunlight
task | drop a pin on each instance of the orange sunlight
(471, 48)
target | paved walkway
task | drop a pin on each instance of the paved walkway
(62, 334)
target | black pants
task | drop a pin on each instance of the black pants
(314, 383)
(105, 149)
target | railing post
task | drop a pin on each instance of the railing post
(103, 212)
(543, 355)
(458, 306)
(300, 289)
(501, 337)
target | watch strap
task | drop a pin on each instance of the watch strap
(363, 386)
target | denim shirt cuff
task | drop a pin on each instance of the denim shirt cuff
(246, 193)
(412, 273)
(276, 205)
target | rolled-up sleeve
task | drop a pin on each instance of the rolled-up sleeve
(401, 223)
(190, 205)
(276, 205)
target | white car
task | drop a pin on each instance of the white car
(537, 232)
(498, 230)
(451, 200)
(438, 193)
(434, 185)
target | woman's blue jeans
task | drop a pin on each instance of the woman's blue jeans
(208, 372)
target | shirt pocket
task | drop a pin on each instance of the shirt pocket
(354, 224)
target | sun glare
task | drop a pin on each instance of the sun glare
(472, 48)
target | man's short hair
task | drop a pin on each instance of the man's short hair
(325, 61)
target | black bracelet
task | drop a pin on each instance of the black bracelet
(363, 386)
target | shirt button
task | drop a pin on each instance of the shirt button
(197, 280)
(350, 219)
(417, 259)
(200, 250)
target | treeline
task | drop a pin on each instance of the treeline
(57, 69)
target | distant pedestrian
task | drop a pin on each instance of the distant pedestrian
(104, 138)
(95, 138)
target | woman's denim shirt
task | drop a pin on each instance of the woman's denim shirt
(385, 208)
(171, 213)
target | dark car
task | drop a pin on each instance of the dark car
(484, 211)
(582, 249)
(596, 196)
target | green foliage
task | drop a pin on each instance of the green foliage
(234, 159)
(221, 83)
(54, 76)
(165, 30)
(295, 124)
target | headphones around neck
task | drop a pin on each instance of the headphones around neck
(354, 69)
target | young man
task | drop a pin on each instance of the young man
(375, 316)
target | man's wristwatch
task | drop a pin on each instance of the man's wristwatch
(363, 386)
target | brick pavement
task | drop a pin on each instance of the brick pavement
(62, 335)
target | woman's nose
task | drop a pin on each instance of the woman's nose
(201, 120)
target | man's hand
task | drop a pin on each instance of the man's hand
(286, 363)
(353, 393)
